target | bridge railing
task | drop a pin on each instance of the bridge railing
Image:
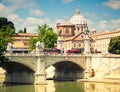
(60, 54)
(22, 54)
(38, 54)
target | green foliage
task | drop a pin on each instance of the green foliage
(6, 32)
(45, 35)
(32, 43)
(20, 31)
(49, 39)
(114, 45)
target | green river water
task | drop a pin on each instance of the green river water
(63, 87)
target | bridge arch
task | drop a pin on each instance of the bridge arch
(26, 64)
(17, 72)
(50, 62)
(16, 66)
(67, 70)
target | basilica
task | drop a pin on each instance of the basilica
(72, 35)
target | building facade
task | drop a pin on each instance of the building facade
(72, 33)
(102, 40)
(21, 40)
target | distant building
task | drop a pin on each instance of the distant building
(72, 34)
(21, 40)
(102, 40)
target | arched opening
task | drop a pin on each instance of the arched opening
(17, 73)
(66, 70)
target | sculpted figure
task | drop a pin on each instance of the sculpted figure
(39, 46)
(87, 31)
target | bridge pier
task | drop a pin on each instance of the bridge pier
(88, 70)
(87, 45)
(40, 75)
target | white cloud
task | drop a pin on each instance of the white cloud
(5, 11)
(103, 25)
(58, 21)
(114, 24)
(30, 23)
(21, 3)
(36, 12)
(67, 1)
(91, 15)
(114, 4)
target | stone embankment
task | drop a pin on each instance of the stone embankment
(100, 80)
(2, 75)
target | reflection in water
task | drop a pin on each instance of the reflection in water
(101, 87)
(63, 87)
(50, 87)
(17, 88)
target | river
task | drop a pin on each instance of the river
(63, 87)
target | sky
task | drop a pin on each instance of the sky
(101, 15)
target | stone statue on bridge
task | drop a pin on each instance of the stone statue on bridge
(9, 47)
(39, 46)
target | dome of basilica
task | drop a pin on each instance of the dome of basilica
(77, 18)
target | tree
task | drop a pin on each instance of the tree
(114, 45)
(25, 31)
(7, 30)
(45, 35)
(20, 31)
(32, 43)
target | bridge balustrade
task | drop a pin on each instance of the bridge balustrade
(38, 54)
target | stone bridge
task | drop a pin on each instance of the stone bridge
(38, 63)
(30, 60)
(106, 66)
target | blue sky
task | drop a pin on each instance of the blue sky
(101, 15)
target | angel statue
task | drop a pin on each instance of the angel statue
(87, 31)
(39, 46)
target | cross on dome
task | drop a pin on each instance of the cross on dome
(77, 12)
(77, 18)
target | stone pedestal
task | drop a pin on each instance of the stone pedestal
(87, 45)
(40, 75)
(88, 71)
